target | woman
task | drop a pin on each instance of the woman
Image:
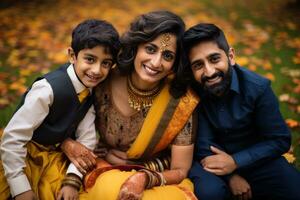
(140, 115)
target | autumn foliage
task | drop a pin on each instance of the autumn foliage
(34, 36)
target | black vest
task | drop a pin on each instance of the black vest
(65, 113)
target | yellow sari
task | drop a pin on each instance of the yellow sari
(165, 119)
(45, 169)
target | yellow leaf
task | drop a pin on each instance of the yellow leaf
(289, 157)
(25, 72)
(242, 61)
(4, 102)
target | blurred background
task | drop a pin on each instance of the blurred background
(35, 34)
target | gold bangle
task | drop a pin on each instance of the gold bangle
(150, 183)
(152, 166)
(167, 163)
(160, 165)
(146, 165)
(156, 165)
(71, 183)
(163, 181)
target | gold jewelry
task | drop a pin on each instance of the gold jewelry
(72, 181)
(165, 41)
(160, 165)
(139, 99)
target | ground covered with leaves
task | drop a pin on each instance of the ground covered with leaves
(34, 36)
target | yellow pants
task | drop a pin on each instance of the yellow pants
(108, 184)
(45, 169)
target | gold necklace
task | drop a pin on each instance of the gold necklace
(139, 99)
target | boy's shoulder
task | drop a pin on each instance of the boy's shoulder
(59, 71)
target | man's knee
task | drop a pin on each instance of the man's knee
(210, 190)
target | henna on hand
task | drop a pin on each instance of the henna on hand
(79, 155)
(133, 187)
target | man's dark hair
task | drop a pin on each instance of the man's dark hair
(205, 32)
(91, 33)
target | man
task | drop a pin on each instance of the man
(241, 133)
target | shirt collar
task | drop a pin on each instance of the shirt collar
(234, 86)
(79, 87)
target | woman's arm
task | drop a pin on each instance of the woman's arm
(181, 161)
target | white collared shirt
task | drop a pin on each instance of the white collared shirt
(28, 118)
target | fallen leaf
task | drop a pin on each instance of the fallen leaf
(292, 123)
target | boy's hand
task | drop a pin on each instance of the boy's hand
(68, 193)
(240, 188)
(79, 155)
(28, 195)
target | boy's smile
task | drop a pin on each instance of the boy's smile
(92, 65)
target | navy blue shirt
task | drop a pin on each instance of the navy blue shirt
(246, 122)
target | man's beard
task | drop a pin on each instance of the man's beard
(221, 88)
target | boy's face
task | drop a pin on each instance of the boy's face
(210, 64)
(91, 65)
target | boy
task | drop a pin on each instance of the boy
(56, 107)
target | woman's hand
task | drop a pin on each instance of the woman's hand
(116, 157)
(133, 187)
(79, 155)
(101, 150)
(68, 193)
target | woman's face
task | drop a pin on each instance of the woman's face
(154, 60)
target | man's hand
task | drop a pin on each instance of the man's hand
(79, 155)
(68, 193)
(240, 188)
(220, 164)
(28, 195)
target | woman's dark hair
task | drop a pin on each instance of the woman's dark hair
(91, 33)
(146, 28)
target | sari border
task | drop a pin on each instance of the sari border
(160, 129)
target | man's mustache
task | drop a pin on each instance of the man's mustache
(206, 78)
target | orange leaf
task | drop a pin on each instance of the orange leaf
(270, 76)
(19, 87)
(292, 123)
(252, 67)
(267, 65)
(242, 61)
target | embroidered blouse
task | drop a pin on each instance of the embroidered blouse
(119, 131)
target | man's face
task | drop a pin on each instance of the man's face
(211, 67)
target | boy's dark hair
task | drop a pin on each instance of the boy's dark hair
(91, 33)
(205, 32)
(146, 28)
